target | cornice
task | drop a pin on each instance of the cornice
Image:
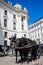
(16, 31)
(36, 24)
(12, 8)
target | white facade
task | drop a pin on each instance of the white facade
(16, 17)
(1, 36)
(36, 30)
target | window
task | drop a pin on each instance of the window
(41, 32)
(5, 22)
(22, 27)
(5, 34)
(14, 26)
(25, 35)
(5, 42)
(38, 33)
(35, 34)
(5, 12)
(22, 18)
(14, 16)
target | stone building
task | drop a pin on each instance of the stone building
(13, 20)
(36, 30)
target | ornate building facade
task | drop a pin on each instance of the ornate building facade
(13, 20)
(36, 30)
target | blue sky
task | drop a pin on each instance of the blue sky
(34, 7)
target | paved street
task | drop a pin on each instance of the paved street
(7, 60)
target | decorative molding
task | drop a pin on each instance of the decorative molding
(3, 3)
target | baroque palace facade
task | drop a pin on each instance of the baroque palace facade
(13, 20)
(36, 30)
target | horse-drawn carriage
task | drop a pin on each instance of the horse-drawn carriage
(24, 46)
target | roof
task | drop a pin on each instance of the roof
(13, 8)
(18, 6)
(38, 19)
(36, 22)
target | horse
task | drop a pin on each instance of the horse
(24, 46)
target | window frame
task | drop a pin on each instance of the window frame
(5, 34)
(5, 12)
(5, 22)
(22, 27)
(25, 35)
(14, 16)
(5, 42)
(14, 25)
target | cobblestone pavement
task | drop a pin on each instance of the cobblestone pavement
(7, 60)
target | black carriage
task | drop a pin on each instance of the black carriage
(24, 46)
